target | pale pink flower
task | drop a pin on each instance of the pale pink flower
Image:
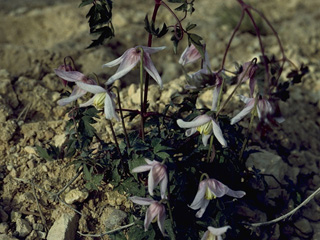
(205, 125)
(215, 233)
(248, 71)
(156, 211)
(189, 55)
(264, 110)
(102, 99)
(67, 68)
(157, 174)
(209, 189)
(76, 77)
(130, 59)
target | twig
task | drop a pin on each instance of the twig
(308, 199)
(106, 233)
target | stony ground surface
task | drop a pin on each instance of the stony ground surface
(34, 38)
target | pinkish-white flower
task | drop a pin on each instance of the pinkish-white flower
(102, 99)
(248, 71)
(210, 189)
(189, 55)
(76, 77)
(263, 107)
(156, 211)
(215, 233)
(157, 175)
(206, 126)
(130, 59)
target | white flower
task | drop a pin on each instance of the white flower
(215, 233)
(206, 126)
(157, 174)
(189, 55)
(130, 59)
(209, 189)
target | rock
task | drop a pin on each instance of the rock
(75, 195)
(4, 227)
(268, 163)
(303, 228)
(5, 237)
(253, 215)
(23, 227)
(6, 90)
(30, 150)
(112, 218)
(3, 215)
(41, 235)
(8, 129)
(32, 236)
(64, 228)
(15, 216)
(311, 211)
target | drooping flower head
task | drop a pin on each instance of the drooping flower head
(103, 99)
(210, 189)
(215, 233)
(264, 108)
(67, 68)
(130, 59)
(157, 174)
(189, 55)
(205, 125)
(248, 71)
(75, 77)
(155, 212)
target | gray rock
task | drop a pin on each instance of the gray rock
(64, 228)
(8, 129)
(112, 217)
(5, 237)
(75, 195)
(32, 236)
(15, 216)
(23, 227)
(303, 228)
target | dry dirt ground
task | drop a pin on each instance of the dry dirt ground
(35, 36)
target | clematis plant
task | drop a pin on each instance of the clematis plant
(215, 233)
(210, 189)
(155, 212)
(157, 174)
(264, 110)
(189, 55)
(76, 77)
(131, 58)
(206, 126)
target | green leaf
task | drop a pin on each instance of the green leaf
(182, 7)
(176, 1)
(87, 173)
(190, 26)
(44, 153)
(85, 2)
(162, 155)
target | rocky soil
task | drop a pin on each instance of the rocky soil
(35, 36)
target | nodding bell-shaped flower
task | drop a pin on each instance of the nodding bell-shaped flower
(102, 99)
(189, 55)
(205, 125)
(215, 233)
(264, 109)
(130, 59)
(65, 67)
(248, 71)
(157, 174)
(155, 212)
(76, 77)
(210, 189)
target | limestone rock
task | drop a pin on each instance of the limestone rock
(75, 195)
(112, 218)
(23, 227)
(5, 237)
(64, 228)
(4, 227)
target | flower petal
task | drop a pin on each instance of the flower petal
(91, 88)
(198, 121)
(203, 208)
(76, 93)
(161, 219)
(189, 55)
(236, 194)
(71, 76)
(142, 201)
(248, 108)
(130, 60)
(199, 198)
(151, 50)
(151, 213)
(88, 103)
(151, 182)
(118, 60)
(205, 235)
(218, 134)
(142, 168)
(163, 186)
(109, 108)
(217, 188)
(205, 139)
(151, 69)
(218, 231)
(190, 131)
(215, 97)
